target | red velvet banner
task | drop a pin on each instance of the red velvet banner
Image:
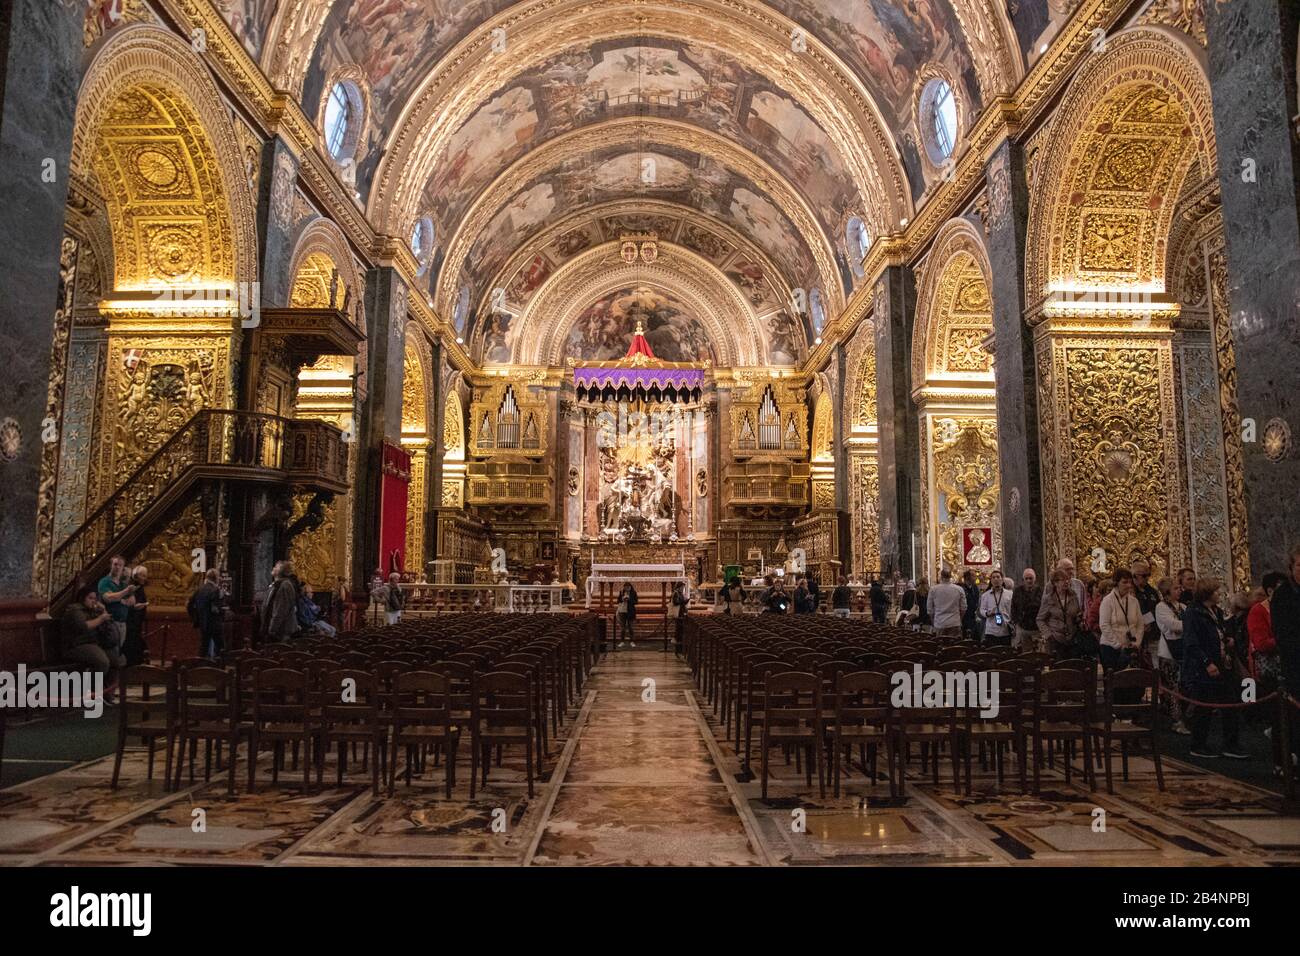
(394, 478)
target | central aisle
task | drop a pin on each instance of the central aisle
(642, 787)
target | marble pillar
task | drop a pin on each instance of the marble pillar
(381, 412)
(40, 54)
(900, 456)
(1252, 69)
(1013, 365)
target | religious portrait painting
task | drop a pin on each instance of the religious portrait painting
(977, 546)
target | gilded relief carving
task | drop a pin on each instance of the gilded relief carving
(313, 551)
(964, 455)
(156, 390)
(169, 557)
(1122, 478)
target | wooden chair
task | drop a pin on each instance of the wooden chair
(421, 718)
(1005, 727)
(149, 714)
(350, 714)
(503, 715)
(792, 717)
(1063, 712)
(1119, 716)
(862, 717)
(208, 709)
(281, 709)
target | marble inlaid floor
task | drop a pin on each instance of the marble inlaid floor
(642, 774)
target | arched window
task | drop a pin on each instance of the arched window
(939, 120)
(343, 120)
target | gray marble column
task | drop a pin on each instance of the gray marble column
(381, 413)
(1013, 365)
(1252, 46)
(437, 452)
(274, 221)
(40, 54)
(900, 454)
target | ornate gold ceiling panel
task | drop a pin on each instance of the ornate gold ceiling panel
(525, 273)
(542, 329)
(152, 127)
(954, 311)
(1133, 122)
(751, 32)
(627, 133)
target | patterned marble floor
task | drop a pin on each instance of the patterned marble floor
(643, 775)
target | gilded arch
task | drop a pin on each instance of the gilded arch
(1131, 126)
(146, 80)
(726, 315)
(952, 375)
(1134, 129)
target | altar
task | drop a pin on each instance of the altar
(641, 436)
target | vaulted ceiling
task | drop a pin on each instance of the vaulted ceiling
(771, 125)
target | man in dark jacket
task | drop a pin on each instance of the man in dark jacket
(972, 624)
(1026, 599)
(205, 614)
(1284, 606)
(879, 602)
(1209, 674)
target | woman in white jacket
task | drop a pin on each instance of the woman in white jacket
(1120, 619)
(1169, 618)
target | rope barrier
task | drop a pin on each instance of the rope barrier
(1217, 706)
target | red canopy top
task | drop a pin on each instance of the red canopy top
(639, 345)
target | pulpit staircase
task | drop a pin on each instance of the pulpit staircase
(232, 446)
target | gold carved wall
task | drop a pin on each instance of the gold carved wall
(156, 382)
(1135, 125)
(1110, 453)
(960, 492)
(170, 556)
(315, 554)
(415, 440)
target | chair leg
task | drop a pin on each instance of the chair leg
(1110, 783)
(763, 761)
(167, 773)
(252, 761)
(451, 766)
(121, 749)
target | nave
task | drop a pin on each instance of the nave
(634, 782)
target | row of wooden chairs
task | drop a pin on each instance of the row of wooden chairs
(256, 697)
(826, 714)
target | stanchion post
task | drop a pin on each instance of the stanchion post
(1284, 742)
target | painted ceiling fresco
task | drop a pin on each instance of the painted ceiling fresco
(671, 79)
(892, 46)
(756, 279)
(680, 176)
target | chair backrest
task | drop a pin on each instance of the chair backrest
(156, 698)
(791, 697)
(503, 699)
(1065, 695)
(206, 694)
(350, 694)
(1139, 679)
(280, 695)
(422, 697)
(1005, 686)
(862, 697)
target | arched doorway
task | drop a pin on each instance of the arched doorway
(952, 375)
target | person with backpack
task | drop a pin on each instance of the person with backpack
(204, 609)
